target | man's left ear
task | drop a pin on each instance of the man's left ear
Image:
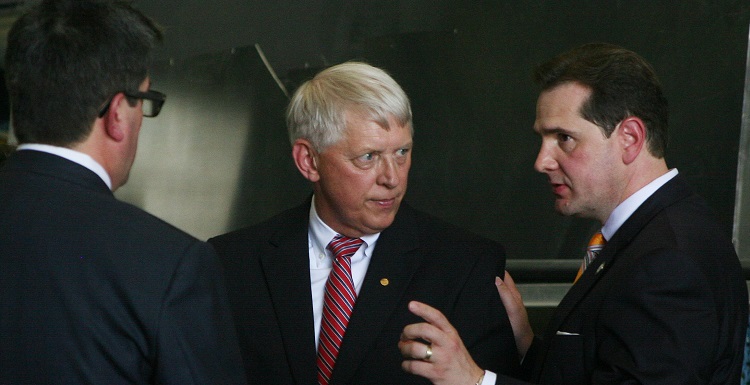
(632, 138)
(114, 119)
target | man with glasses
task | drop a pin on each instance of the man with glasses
(93, 290)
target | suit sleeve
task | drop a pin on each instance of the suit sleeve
(527, 367)
(659, 325)
(481, 320)
(197, 341)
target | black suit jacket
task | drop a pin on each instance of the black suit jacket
(96, 291)
(268, 275)
(663, 303)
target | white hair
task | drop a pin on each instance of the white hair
(317, 111)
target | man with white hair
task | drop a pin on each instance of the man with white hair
(320, 292)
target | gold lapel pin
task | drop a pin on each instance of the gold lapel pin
(384, 281)
(600, 268)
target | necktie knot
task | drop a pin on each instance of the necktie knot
(596, 244)
(342, 246)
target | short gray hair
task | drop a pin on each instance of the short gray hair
(317, 111)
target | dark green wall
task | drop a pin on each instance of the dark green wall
(467, 68)
(474, 101)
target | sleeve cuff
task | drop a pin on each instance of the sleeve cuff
(489, 378)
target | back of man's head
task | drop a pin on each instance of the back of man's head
(66, 58)
(622, 84)
(317, 111)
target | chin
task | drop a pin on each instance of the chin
(564, 208)
(381, 225)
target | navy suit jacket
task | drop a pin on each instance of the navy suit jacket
(96, 291)
(268, 273)
(665, 302)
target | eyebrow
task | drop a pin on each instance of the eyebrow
(552, 130)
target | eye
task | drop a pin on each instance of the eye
(402, 151)
(366, 161)
(566, 142)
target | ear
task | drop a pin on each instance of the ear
(305, 158)
(632, 138)
(114, 118)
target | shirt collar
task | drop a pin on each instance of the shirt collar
(73, 156)
(624, 210)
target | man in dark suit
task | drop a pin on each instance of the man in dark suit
(93, 290)
(351, 133)
(662, 299)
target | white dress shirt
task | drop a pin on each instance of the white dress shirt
(624, 210)
(73, 156)
(319, 235)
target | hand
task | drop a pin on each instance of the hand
(450, 363)
(519, 320)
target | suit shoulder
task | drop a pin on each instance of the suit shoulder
(691, 226)
(297, 216)
(150, 226)
(428, 222)
(443, 234)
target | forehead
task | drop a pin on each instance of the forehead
(560, 105)
(362, 128)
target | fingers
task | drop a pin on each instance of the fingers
(416, 353)
(436, 330)
(420, 368)
(431, 315)
(508, 291)
(415, 350)
(514, 307)
(434, 350)
(509, 280)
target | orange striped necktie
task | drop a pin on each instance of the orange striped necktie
(596, 244)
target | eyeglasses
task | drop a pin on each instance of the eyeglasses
(152, 102)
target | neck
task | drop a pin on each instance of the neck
(642, 173)
(95, 147)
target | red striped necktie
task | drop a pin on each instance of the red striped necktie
(337, 305)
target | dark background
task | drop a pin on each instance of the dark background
(466, 67)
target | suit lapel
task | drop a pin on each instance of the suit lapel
(287, 270)
(396, 259)
(674, 190)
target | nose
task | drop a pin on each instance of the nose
(389, 172)
(545, 162)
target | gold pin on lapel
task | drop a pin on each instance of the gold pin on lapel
(600, 268)
(384, 281)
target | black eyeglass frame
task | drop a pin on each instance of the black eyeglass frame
(156, 97)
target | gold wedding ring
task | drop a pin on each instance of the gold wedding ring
(428, 353)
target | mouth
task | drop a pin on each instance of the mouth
(385, 203)
(559, 188)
